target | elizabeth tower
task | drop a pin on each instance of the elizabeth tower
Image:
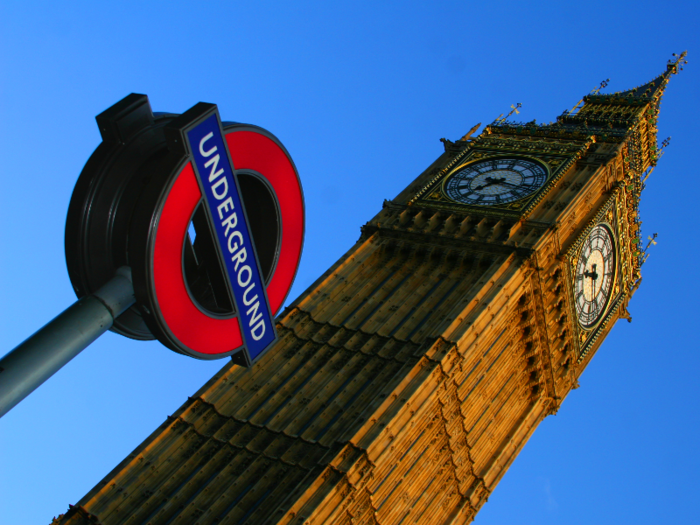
(408, 377)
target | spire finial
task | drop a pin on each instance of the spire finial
(514, 109)
(603, 85)
(659, 154)
(677, 63)
(651, 242)
(469, 133)
(595, 91)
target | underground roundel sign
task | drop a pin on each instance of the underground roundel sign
(208, 216)
(220, 268)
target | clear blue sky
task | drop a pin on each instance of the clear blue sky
(359, 93)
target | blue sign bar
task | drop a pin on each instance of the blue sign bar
(216, 178)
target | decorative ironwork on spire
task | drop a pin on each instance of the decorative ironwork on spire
(594, 91)
(677, 63)
(603, 84)
(651, 242)
(662, 149)
(514, 109)
(468, 134)
(608, 117)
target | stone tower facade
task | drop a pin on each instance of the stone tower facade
(408, 377)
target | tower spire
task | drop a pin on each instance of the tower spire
(653, 89)
(606, 117)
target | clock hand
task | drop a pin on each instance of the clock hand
(510, 184)
(484, 186)
(490, 182)
(593, 275)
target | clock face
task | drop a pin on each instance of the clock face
(495, 181)
(595, 272)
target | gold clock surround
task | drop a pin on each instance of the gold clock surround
(599, 258)
(509, 190)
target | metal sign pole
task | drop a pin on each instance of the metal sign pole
(44, 353)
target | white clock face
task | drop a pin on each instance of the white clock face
(495, 181)
(595, 273)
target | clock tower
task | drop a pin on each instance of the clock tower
(408, 377)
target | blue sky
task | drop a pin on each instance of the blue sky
(359, 93)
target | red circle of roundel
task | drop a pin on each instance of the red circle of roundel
(212, 337)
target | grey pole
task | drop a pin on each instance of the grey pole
(44, 353)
